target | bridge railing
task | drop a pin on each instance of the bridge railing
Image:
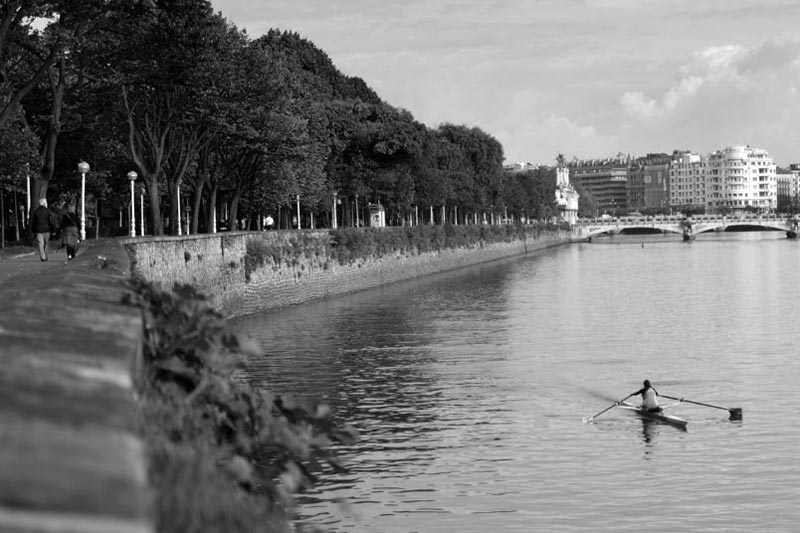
(674, 219)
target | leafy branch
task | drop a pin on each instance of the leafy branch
(193, 404)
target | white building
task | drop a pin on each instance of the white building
(741, 177)
(520, 166)
(566, 196)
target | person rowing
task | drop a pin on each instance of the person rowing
(649, 397)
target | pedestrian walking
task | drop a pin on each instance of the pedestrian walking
(70, 237)
(43, 224)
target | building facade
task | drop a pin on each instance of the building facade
(566, 196)
(737, 178)
(520, 166)
(648, 183)
(788, 182)
(687, 187)
(606, 181)
(741, 178)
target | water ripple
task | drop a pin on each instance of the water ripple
(469, 391)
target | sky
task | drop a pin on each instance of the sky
(584, 78)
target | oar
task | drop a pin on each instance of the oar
(587, 420)
(735, 412)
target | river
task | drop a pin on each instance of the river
(470, 389)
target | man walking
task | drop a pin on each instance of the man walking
(42, 223)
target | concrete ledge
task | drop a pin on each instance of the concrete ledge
(70, 455)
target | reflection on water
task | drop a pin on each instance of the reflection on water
(469, 390)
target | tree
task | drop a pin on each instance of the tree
(481, 180)
(39, 67)
(24, 55)
(170, 75)
(17, 156)
(587, 203)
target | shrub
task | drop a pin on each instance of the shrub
(223, 455)
(256, 253)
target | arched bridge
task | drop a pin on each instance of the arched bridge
(689, 227)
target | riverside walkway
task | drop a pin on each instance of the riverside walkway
(70, 456)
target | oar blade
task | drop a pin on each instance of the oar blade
(734, 412)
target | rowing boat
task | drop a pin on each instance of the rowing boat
(659, 415)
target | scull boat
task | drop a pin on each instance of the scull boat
(659, 415)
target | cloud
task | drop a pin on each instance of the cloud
(547, 136)
(715, 74)
(728, 94)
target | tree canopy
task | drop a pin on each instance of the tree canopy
(225, 128)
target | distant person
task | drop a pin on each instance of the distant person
(70, 237)
(268, 222)
(43, 224)
(649, 397)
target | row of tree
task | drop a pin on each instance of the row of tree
(174, 91)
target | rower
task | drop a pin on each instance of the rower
(649, 397)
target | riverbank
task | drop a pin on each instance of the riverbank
(93, 438)
(248, 273)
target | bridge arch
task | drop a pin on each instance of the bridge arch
(585, 229)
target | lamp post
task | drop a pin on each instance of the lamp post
(83, 168)
(180, 231)
(141, 211)
(335, 203)
(132, 176)
(27, 193)
(213, 217)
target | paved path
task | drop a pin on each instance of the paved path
(70, 456)
(27, 263)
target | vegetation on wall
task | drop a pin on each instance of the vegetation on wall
(348, 245)
(223, 455)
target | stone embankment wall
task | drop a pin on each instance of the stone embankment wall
(247, 273)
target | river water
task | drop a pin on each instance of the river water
(470, 389)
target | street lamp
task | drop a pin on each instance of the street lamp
(335, 203)
(132, 176)
(141, 211)
(180, 230)
(83, 168)
(27, 193)
(298, 212)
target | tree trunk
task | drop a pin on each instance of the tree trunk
(172, 188)
(197, 197)
(48, 150)
(233, 213)
(212, 208)
(155, 206)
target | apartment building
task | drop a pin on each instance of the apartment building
(728, 180)
(648, 183)
(788, 182)
(520, 166)
(741, 177)
(687, 182)
(606, 181)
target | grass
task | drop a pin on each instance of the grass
(14, 250)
